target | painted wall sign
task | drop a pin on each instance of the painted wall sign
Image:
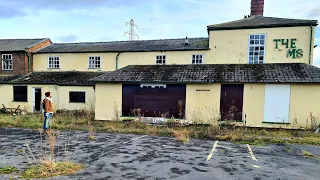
(290, 44)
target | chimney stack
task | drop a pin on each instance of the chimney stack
(257, 7)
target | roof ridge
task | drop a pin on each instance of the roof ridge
(25, 38)
(133, 41)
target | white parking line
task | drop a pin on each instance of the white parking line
(212, 150)
(251, 153)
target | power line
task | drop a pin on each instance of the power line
(132, 33)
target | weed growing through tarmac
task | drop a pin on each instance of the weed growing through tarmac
(8, 170)
(307, 153)
(45, 160)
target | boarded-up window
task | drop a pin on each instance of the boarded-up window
(20, 93)
(77, 97)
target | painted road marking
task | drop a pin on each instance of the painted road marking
(251, 153)
(212, 150)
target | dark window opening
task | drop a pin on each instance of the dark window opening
(20, 93)
(77, 97)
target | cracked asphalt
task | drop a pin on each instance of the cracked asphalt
(127, 156)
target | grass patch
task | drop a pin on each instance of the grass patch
(253, 136)
(44, 170)
(8, 170)
(181, 135)
(307, 153)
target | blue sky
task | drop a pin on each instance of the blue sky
(105, 20)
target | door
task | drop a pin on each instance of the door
(36, 99)
(154, 101)
(231, 101)
(277, 103)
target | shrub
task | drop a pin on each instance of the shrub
(181, 135)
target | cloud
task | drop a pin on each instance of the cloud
(67, 38)
(7, 12)
(314, 13)
(316, 56)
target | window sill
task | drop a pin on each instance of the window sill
(95, 68)
(53, 68)
(20, 101)
(7, 69)
(275, 123)
(77, 102)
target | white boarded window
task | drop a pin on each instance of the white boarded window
(197, 59)
(277, 103)
(54, 63)
(161, 59)
(94, 62)
(257, 48)
(6, 61)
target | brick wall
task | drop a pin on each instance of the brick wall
(20, 59)
(18, 63)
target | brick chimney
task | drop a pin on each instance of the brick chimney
(257, 7)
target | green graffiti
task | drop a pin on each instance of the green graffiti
(293, 52)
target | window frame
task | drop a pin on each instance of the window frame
(265, 45)
(53, 61)
(100, 59)
(153, 86)
(156, 58)
(15, 100)
(197, 55)
(2, 58)
(82, 102)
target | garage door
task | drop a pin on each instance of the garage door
(153, 100)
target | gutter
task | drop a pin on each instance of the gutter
(117, 58)
(310, 54)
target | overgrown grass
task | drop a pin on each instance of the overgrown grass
(181, 135)
(8, 170)
(45, 170)
(254, 136)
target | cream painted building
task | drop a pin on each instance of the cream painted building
(256, 70)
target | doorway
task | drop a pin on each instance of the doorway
(37, 99)
(231, 102)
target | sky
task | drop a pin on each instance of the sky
(105, 20)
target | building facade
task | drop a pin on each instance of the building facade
(256, 69)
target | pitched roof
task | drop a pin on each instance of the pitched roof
(18, 44)
(262, 22)
(63, 78)
(6, 79)
(129, 46)
(210, 73)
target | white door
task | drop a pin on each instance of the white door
(277, 103)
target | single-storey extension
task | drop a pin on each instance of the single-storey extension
(262, 94)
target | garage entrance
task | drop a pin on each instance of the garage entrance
(231, 101)
(154, 100)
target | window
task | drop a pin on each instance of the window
(197, 59)
(6, 61)
(161, 60)
(54, 62)
(77, 97)
(152, 86)
(20, 93)
(94, 62)
(257, 51)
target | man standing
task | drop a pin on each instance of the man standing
(48, 110)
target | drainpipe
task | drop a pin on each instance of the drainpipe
(117, 57)
(29, 63)
(311, 32)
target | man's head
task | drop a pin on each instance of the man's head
(47, 94)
